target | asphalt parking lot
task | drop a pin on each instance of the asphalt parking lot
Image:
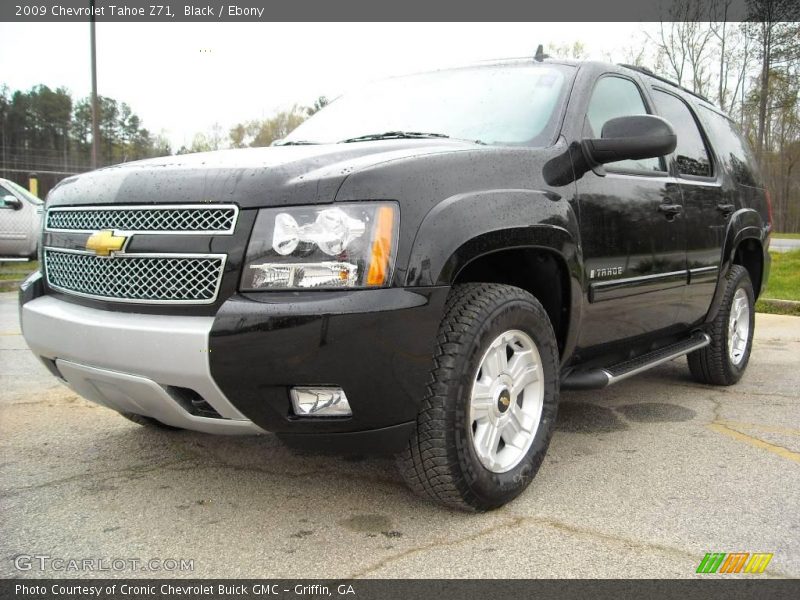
(641, 480)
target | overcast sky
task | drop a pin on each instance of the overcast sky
(181, 78)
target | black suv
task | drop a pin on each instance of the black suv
(418, 268)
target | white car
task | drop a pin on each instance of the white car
(20, 220)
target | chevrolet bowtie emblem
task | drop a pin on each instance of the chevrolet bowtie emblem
(104, 242)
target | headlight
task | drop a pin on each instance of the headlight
(335, 246)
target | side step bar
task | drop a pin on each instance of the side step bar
(603, 376)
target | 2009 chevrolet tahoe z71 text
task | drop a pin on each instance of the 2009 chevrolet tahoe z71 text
(418, 268)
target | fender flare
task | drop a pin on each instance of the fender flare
(487, 222)
(745, 224)
(494, 221)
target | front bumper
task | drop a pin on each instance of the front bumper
(376, 345)
(133, 363)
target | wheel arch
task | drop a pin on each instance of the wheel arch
(749, 253)
(469, 237)
(745, 246)
(533, 269)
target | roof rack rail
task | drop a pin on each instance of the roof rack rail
(649, 72)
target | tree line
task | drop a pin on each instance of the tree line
(751, 70)
(46, 130)
(255, 132)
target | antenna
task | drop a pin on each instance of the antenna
(540, 55)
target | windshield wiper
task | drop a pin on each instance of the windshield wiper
(394, 135)
(294, 143)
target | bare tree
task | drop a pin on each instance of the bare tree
(736, 54)
(576, 50)
(778, 43)
(685, 43)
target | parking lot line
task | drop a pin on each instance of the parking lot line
(755, 442)
(759, 427)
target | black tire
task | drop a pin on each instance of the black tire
(148, 422)
(440, 461)
(712, 364)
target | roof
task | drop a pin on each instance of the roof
(650, 73)
(577, 63)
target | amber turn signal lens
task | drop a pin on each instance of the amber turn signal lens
(381, 247)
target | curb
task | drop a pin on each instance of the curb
(10, 285)
(781, 303)
(784, 307)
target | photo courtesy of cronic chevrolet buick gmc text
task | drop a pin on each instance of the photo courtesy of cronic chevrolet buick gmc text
(417, 269)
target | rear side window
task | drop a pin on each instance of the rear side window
(732, 148)
(691, 153)
(614, 97)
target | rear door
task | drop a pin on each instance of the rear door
(632, 231)
(706, 207)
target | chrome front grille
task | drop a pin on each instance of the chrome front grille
(153, 278)
(145, 278)
(193, 219)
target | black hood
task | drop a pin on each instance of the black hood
(253, 177)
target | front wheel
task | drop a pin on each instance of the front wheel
(486, 421)
(724, 361)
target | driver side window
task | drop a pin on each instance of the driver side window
(614, 97)
(3, 193)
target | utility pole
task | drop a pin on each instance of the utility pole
(95, 111)
(5, 164)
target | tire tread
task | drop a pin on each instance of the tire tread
(711, 365)
(429, 464)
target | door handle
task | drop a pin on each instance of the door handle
(726, 209)
(670, 210)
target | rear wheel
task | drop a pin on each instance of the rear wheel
(724, 361)
(485, 424)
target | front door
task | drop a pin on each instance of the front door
(632, 232)
(15, 224)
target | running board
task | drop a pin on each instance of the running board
(602, 376)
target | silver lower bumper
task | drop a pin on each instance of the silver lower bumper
(126, 361)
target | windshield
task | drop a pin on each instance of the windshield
(23, 192)
(505, 105)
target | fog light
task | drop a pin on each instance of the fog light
(320, 402)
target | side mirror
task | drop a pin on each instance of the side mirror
(633, 137)
(11, 202)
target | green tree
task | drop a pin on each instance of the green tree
(262, 133)
(200, 143)
(238, 136)
(575, 51)
(122, 136)
(318, 105)
(778, 45)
